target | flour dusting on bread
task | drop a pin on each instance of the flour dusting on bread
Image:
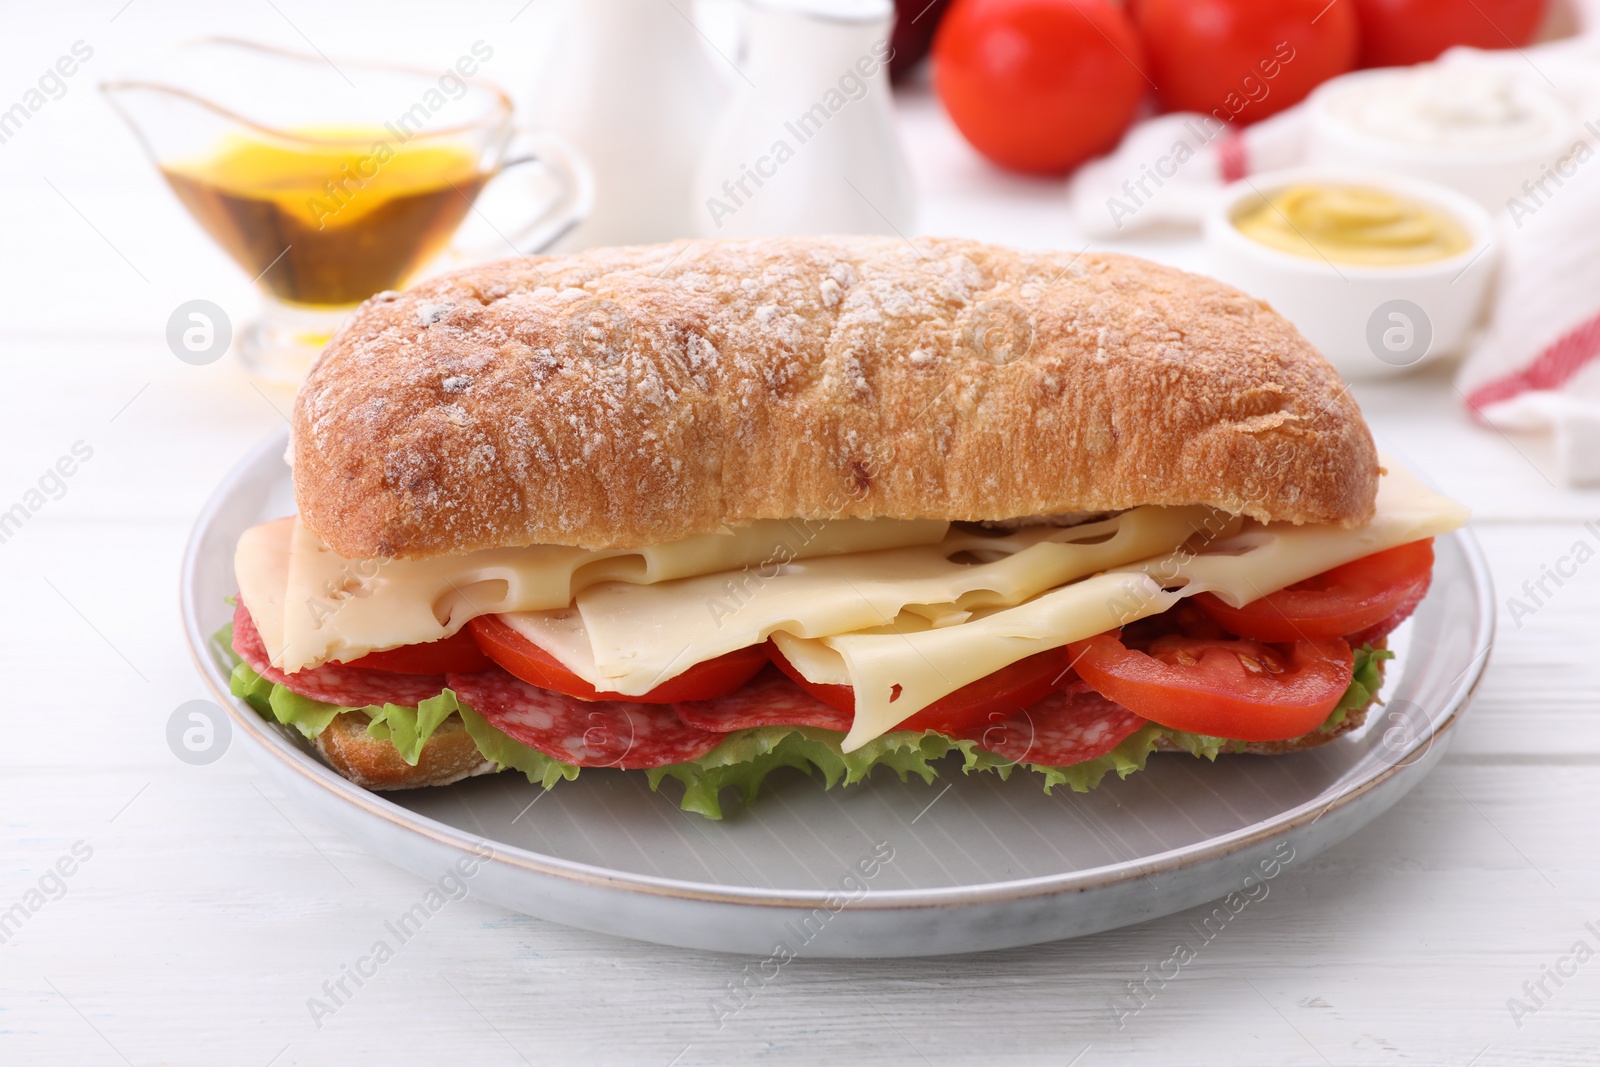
(630, 396)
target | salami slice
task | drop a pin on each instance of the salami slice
(770, 699)
(589, 733)
(1071, 726)
(332, 683)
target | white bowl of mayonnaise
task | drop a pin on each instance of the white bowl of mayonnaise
(1468, 124)
(1381, 272)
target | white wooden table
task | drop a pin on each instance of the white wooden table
(209, 909)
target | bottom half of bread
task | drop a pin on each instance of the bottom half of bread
(373, 763)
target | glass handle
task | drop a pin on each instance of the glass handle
(571, 205)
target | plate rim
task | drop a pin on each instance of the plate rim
(269, 739)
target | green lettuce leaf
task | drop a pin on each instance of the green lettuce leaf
(1366, 678)
(742, 762)
(406, 728)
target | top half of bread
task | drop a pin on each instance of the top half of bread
(633, 396)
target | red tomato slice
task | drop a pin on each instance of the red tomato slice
(1373, 634)
(1344, 600)
(456, 654)
(1005, 692)
(526, 660)
(1243, 690)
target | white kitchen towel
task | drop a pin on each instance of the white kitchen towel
(1536, 365)
(1168, 169)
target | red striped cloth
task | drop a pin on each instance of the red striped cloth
(1553, 367)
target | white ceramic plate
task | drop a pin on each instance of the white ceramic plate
(973, 863)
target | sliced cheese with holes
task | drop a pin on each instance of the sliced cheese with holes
(897, 675)
(312, 605)
(815, 661)
(1264, 559)
(261, 564)
(904, 612)
(641, 635)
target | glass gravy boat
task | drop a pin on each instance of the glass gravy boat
(328, 182)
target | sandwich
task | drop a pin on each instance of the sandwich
(713, 509)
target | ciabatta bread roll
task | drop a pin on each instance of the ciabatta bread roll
(634, 396)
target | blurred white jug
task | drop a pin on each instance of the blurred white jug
(634, 85)
(807, 143)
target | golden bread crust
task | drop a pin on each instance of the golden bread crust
(632, 396)
(373, 763)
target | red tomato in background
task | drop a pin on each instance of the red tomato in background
(1399, 32)
(1245, 59)
(1039, 86)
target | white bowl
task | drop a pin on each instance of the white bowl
(1488, 173)
(1369, 321)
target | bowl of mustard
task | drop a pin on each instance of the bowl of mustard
(1380, 272)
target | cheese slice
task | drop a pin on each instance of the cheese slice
(897, 675)
(312, 605)
(638, 636)
(905, 612)
(1264, 559)
(261, 564)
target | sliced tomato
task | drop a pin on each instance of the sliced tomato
(1242, 690)
(1338, 602)
(1377, 632)
(456, 654)
(526, 660)
(1003, 693)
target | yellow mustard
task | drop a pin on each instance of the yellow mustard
(1352, 224)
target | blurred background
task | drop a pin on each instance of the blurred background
(1395, 159)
